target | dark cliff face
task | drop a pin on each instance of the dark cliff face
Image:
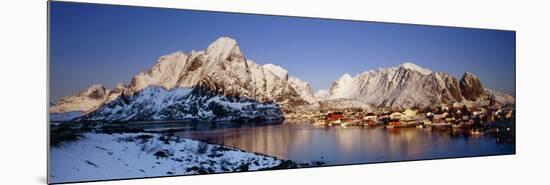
(453, 87)
(470, 87)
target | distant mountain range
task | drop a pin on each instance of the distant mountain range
(409, 85)
(219, 83)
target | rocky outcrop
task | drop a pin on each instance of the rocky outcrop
(470, 87)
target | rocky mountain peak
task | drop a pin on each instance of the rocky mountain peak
(470, 86)
(96, 91)
(119, 85)
(220, 84)
(302, 88)
(85, 100)
(222, 49)
(277, 70)
(406, 85)
(164, 73)
(345, 77)
(414, 67)
(344, 87)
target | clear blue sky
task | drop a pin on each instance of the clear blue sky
(109, 44)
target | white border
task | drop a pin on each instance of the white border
(23, 85)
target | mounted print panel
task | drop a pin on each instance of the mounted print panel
(138, 92)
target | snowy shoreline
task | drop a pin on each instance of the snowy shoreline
(99, 156)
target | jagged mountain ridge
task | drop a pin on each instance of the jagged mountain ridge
(302, 87)
(88, 99)
(240, 87)
(409, 85)
(221, 68)
(221, 84)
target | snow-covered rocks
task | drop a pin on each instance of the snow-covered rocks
(98, 156)
(156, 103)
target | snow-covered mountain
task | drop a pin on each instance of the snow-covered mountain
(86, 100)
(215, 84)
(409, 85)
(301, 87)
(344, 87)
(71, 107)
(500, 97)
(165, 73)
(321, 94)
(219, 83)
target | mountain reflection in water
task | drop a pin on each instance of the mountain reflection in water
(337, 145)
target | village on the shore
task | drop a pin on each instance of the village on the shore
(475, 120)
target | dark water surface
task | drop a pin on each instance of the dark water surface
(337, 145)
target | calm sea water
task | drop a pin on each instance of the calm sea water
(337, 145)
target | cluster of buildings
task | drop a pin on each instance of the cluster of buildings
(442, 116)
